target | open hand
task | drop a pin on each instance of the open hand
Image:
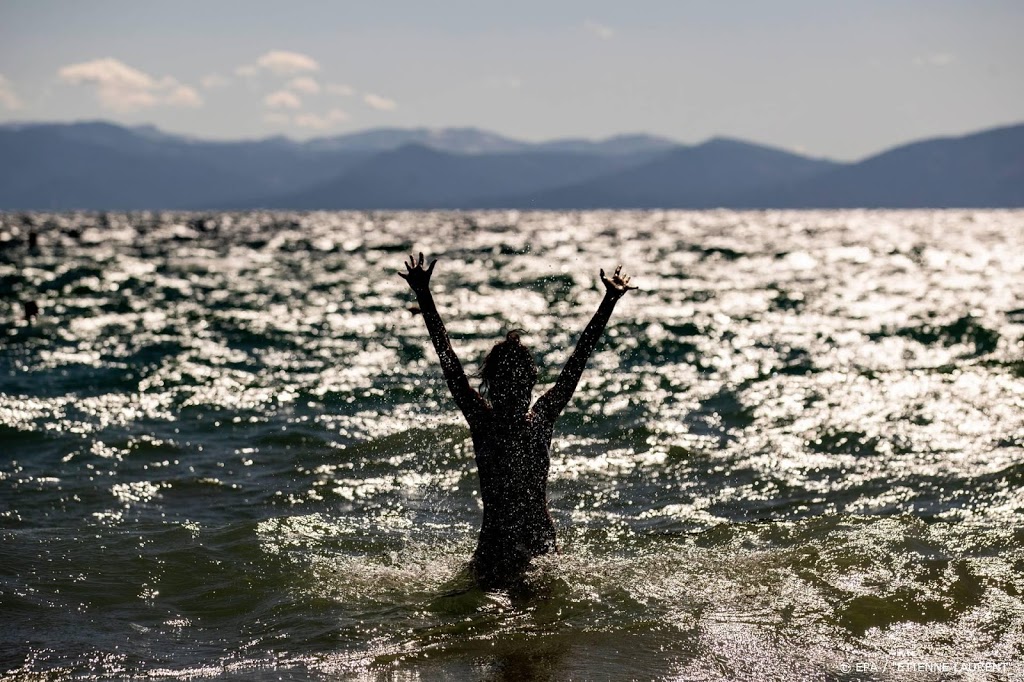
(417, 276)
(618, 285)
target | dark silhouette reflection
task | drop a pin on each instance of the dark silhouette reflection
(511, 439)
(533, 660)
(488, 631)
(31, 311)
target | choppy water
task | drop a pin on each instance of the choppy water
(227, 450)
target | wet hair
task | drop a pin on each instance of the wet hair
(510, 361)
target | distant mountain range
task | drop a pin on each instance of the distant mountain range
(102, 166)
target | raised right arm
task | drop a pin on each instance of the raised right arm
(551, 404)
(469, 401)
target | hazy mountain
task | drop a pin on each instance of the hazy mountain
(55, 168)
(415, 176)
(984, 169)
(455, 140)
(476, 141)
(705, 176)
(98, 165)
(619, 144)
(104, 166)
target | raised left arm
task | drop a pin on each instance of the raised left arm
(551, 404)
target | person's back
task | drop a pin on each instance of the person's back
(511, 439)
(512, 463)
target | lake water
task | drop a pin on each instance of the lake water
(226, 448)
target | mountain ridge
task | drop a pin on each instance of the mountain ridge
(99, 165)
(701, 176)
(465, 139)
(418, 176)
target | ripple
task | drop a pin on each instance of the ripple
(227, 449)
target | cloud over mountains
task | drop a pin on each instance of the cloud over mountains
(289, 85)
(286, 63)
(298, 99)
(122, 88)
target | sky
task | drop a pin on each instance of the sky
(841, 80)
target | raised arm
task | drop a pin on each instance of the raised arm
(469, 401)
(551, 404)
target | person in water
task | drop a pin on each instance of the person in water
(511, 439)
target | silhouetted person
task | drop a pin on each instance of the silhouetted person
(511, 439)
(31, 310)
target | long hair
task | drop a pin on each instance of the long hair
(509, 362)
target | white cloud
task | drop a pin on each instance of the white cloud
(378, 102)
(107, 73)
(122, 88)
(935, 59)
(282, 99)
(8, 99)
(213, 81)
(184, 96)
(281, 63)
(316, 122)
(340, 89)
(286, 63)
(600, 30)
(303, 84)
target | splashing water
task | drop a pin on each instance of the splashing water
(227, 450)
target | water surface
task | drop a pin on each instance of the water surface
(227, 449)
